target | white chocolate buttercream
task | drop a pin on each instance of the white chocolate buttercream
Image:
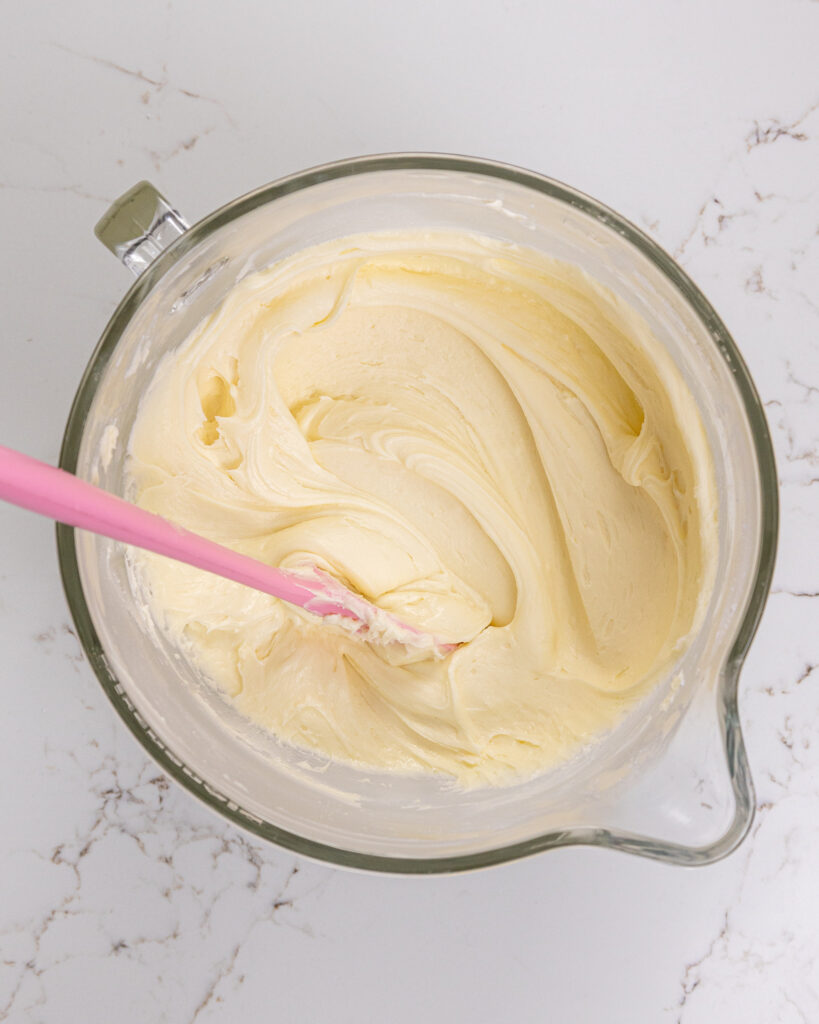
(474, 437)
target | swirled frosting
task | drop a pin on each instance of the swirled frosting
(475, 437)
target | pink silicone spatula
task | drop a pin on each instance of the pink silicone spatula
(35, 485)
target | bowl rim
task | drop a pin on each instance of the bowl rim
(733, 743)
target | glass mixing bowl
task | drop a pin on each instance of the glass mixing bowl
(670, 781)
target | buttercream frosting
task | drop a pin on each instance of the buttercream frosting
(477, 438)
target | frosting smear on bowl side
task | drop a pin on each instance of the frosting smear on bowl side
(477, 438)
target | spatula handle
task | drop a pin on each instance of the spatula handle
(52, 492)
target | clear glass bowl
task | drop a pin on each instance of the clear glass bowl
(671, 781)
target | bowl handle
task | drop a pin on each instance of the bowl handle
(139, 225)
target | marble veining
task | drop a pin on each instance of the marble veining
(747, 211)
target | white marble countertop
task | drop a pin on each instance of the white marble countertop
(121, 898)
